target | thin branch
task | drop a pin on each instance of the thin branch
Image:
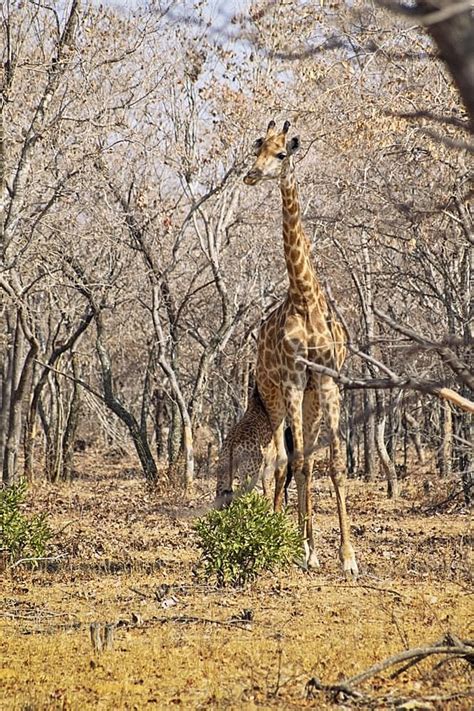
(78, 381)
(425, 114)
(447, 355)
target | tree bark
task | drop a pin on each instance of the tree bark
(387, 464)
(413, 432)
(21, 377)
(445, 451)
(56, 430)
(139, 437)
(175, 434)
(370, 446)
(350, 406)
(188, 447)
(160, 420)
(451, 24)
(71, 425)
(7, 386)
(33, 408)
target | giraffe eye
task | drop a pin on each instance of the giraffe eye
(281, 156)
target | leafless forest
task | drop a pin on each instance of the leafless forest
(136, 268)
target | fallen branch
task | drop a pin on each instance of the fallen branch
(137, 623)
(388, 591)
(449, 645)
(456, 494)
(37, 560)
(190, 620)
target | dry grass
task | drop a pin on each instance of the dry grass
(178, 642)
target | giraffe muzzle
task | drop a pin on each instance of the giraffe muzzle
(252, 177)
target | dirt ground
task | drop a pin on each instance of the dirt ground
(125, 557)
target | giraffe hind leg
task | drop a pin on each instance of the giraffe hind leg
(224, 479)
(280, 465)
(294, 406)
(311, 427)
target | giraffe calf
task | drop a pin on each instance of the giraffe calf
(249, 454)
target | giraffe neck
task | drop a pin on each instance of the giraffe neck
(304, 286)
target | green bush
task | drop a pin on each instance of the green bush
(21, 536)
(240, 541)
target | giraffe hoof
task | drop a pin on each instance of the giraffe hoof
(350, 568)
(302, 564)
(312, 560)
(309, 559)
(349, 564)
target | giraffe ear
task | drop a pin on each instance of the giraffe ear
(257, 145)
(293, 145)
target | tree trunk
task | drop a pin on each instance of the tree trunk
(21, 377)
(188, 454)
(394, 423)
(245, 385)
(12, 411)
(413, 432)
(71, 425)
(466, 459)
(58, 433)
(139, 436)
(370, 446)
(462, 451)
(168, 369)
(387, 464)
(7, 388)
(453, 31)
(350, 407)
(33, 409)
(370, 433)
(445, 451)
(175, 435)
(160, 421)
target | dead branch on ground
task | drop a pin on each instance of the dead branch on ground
(450, 646)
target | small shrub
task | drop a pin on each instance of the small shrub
(240, 541)
(21, 536)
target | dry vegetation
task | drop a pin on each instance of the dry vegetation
(129, 559)
(135, 270)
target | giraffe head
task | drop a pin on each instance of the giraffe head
(274, 154)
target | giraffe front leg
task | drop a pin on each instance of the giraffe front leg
(337, 470)
(311, 555)
(338, 476)
(346, 551)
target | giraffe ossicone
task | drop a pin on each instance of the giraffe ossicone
(300, 329)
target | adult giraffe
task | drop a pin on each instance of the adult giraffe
(301, 328)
